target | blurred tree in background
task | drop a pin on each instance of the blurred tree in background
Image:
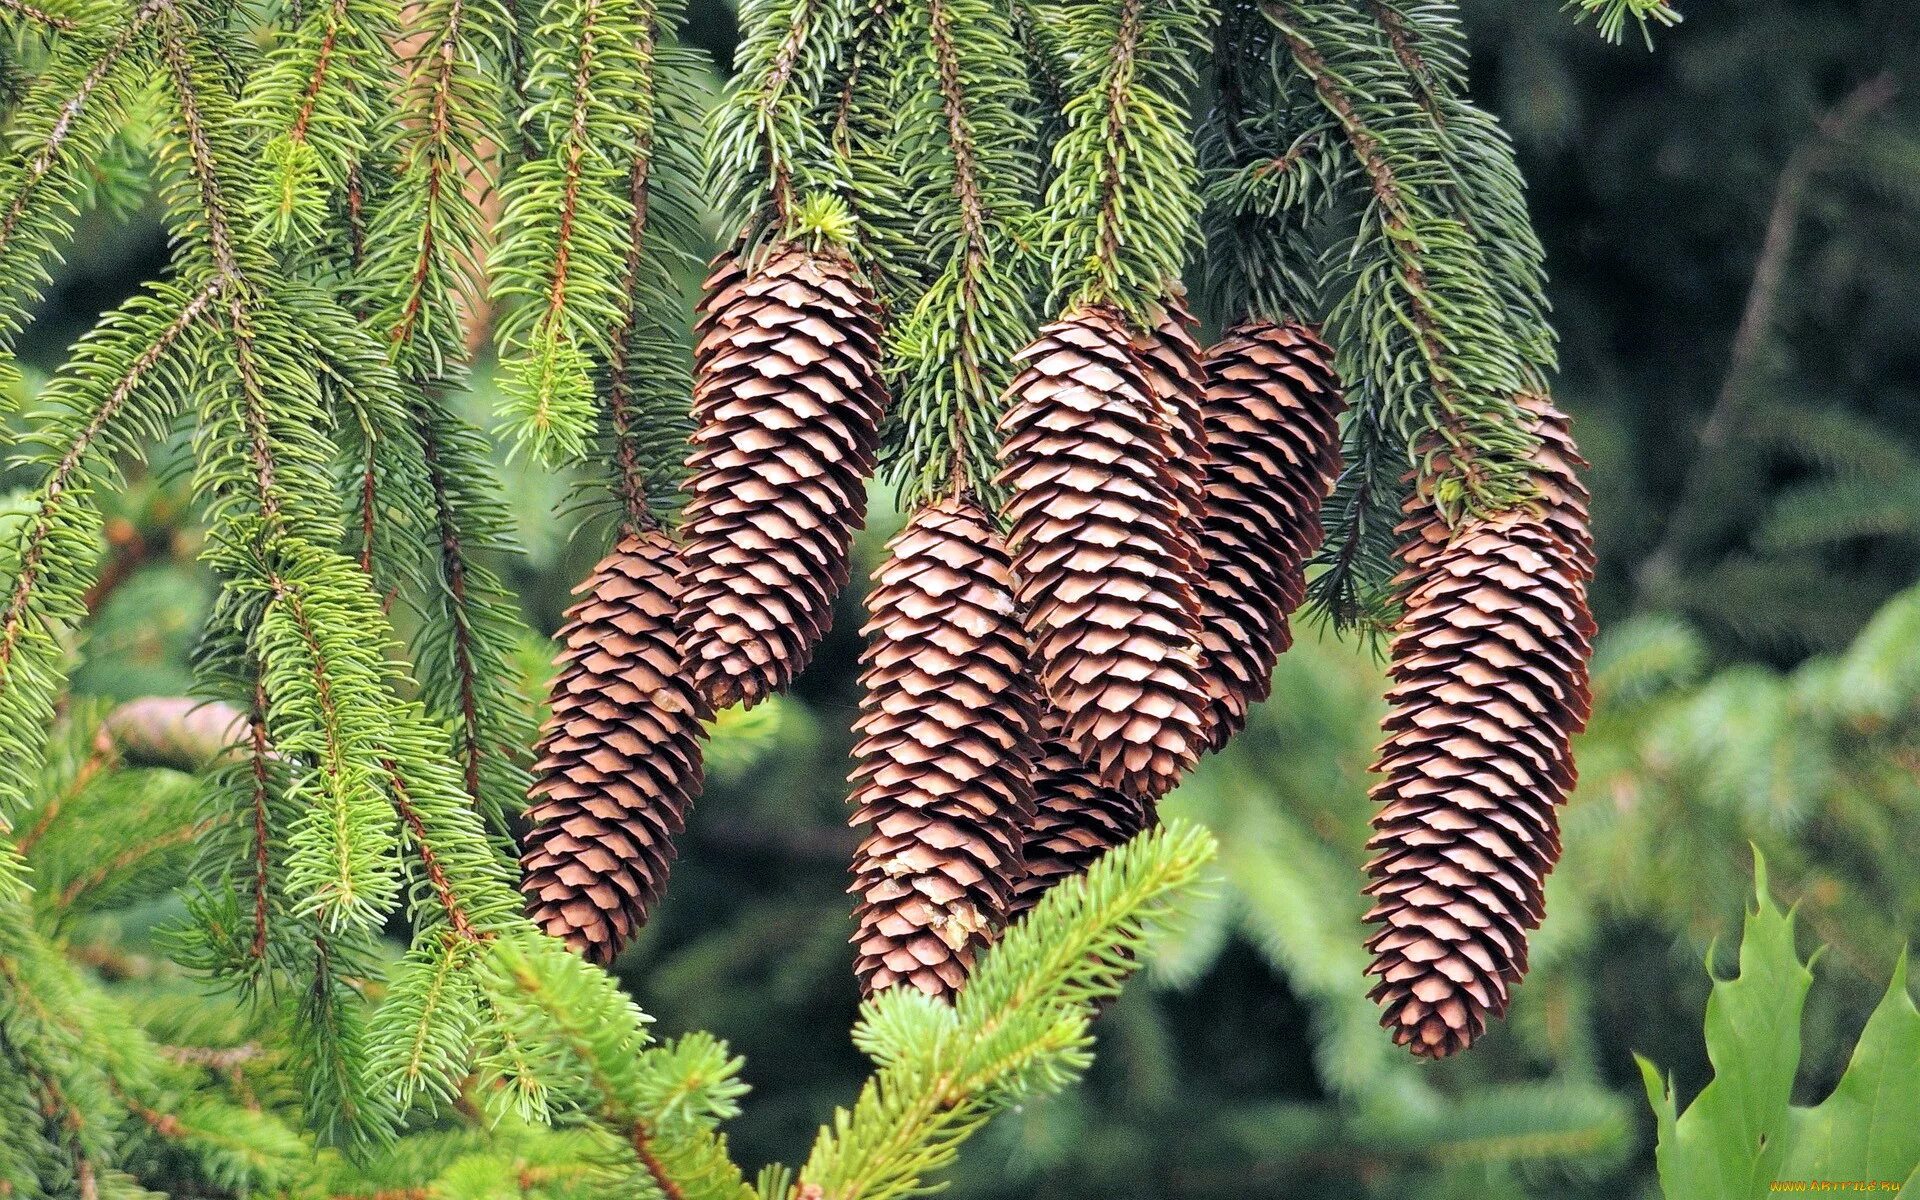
(1732, 224)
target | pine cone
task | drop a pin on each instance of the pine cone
(1173, 366)
(1075, 821)
(1273, 435)
(943, 778)
(1490, 684)
(619, 758)
(786, 407)
(1098, 555)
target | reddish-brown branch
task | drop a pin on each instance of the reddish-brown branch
(439, 160)
(429, 858)
(336, 14)
(642, 1141)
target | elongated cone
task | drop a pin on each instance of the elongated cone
(786, 407)
(943, 784)
(1490, 684)
(619, 757)
(1102, 572)
(1075, 821)
(1174, 368)
(1272, 417)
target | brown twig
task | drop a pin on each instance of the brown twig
(1658, 569)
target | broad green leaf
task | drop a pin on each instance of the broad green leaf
(1731, 1142)
(1869, 1128)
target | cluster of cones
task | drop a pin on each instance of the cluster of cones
(1029, 696)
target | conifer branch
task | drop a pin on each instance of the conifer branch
(1610, 17)
(1019, 1028)
(558, 260)
(629, 473)
(769, 153)
(1422, 318)
(1123, 205)
(969, 155)
(318, 98)
(466, 644)
(118, 392)
(73, 110)
(54, 21)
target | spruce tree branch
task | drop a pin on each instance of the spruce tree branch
(453, 564)
(1120, 81)
(1395, 215)
(222, 244)
(1406, 49)
(48, 152)
(612, 1111)
(630, 477)
(450, 902)
(641, 1139)
(333, 757)
(40, 16)
(53, 489)
(258, 795)
(317, 80)
(577, 146)
(1657, 571)
(64, 1114)
(205, 171)
(769, 92)
(80, 885)
(440, 156)
(967, 194)
(56, 1107)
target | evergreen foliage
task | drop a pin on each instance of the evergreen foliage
(546, 1034)
(354, 191)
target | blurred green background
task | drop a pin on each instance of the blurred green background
(1733, 229)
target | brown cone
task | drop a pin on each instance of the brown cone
(1102, 571)
(786, 408)
(943, 783)
(1490, 684)
(1075, 821)
(1272, 417)
(619, 758)
(1174, 368)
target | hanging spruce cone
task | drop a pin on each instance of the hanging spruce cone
(619, 758)
(1102, 573)
(786, 406)
(1272, 417)
(1075, 821)
(943, 782)
(1173, 366)
(1490, 684)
